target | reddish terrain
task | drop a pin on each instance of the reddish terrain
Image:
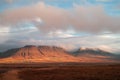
(60, 71)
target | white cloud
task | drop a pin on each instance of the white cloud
(110, 36)
(4, 33)
(38, 20)
(82, 18)
(4, 29)
(62, 34)
(70, 43)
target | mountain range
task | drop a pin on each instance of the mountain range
(31, 54)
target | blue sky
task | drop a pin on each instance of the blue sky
(110, 6)
(79, 22)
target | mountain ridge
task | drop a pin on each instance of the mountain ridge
(44, 53)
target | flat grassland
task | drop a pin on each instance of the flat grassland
(60, 71)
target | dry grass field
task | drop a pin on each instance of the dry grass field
(60, 71)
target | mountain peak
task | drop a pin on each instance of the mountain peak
(91, 51)
(29, 46)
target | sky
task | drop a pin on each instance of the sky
(70, 24)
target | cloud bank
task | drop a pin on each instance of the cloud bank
(82, 18)
(70, 24)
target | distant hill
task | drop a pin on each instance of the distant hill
(94, 54)
(91, 51)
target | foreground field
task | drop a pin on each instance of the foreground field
(61, 71)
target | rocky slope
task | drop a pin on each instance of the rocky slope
(32, 53)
